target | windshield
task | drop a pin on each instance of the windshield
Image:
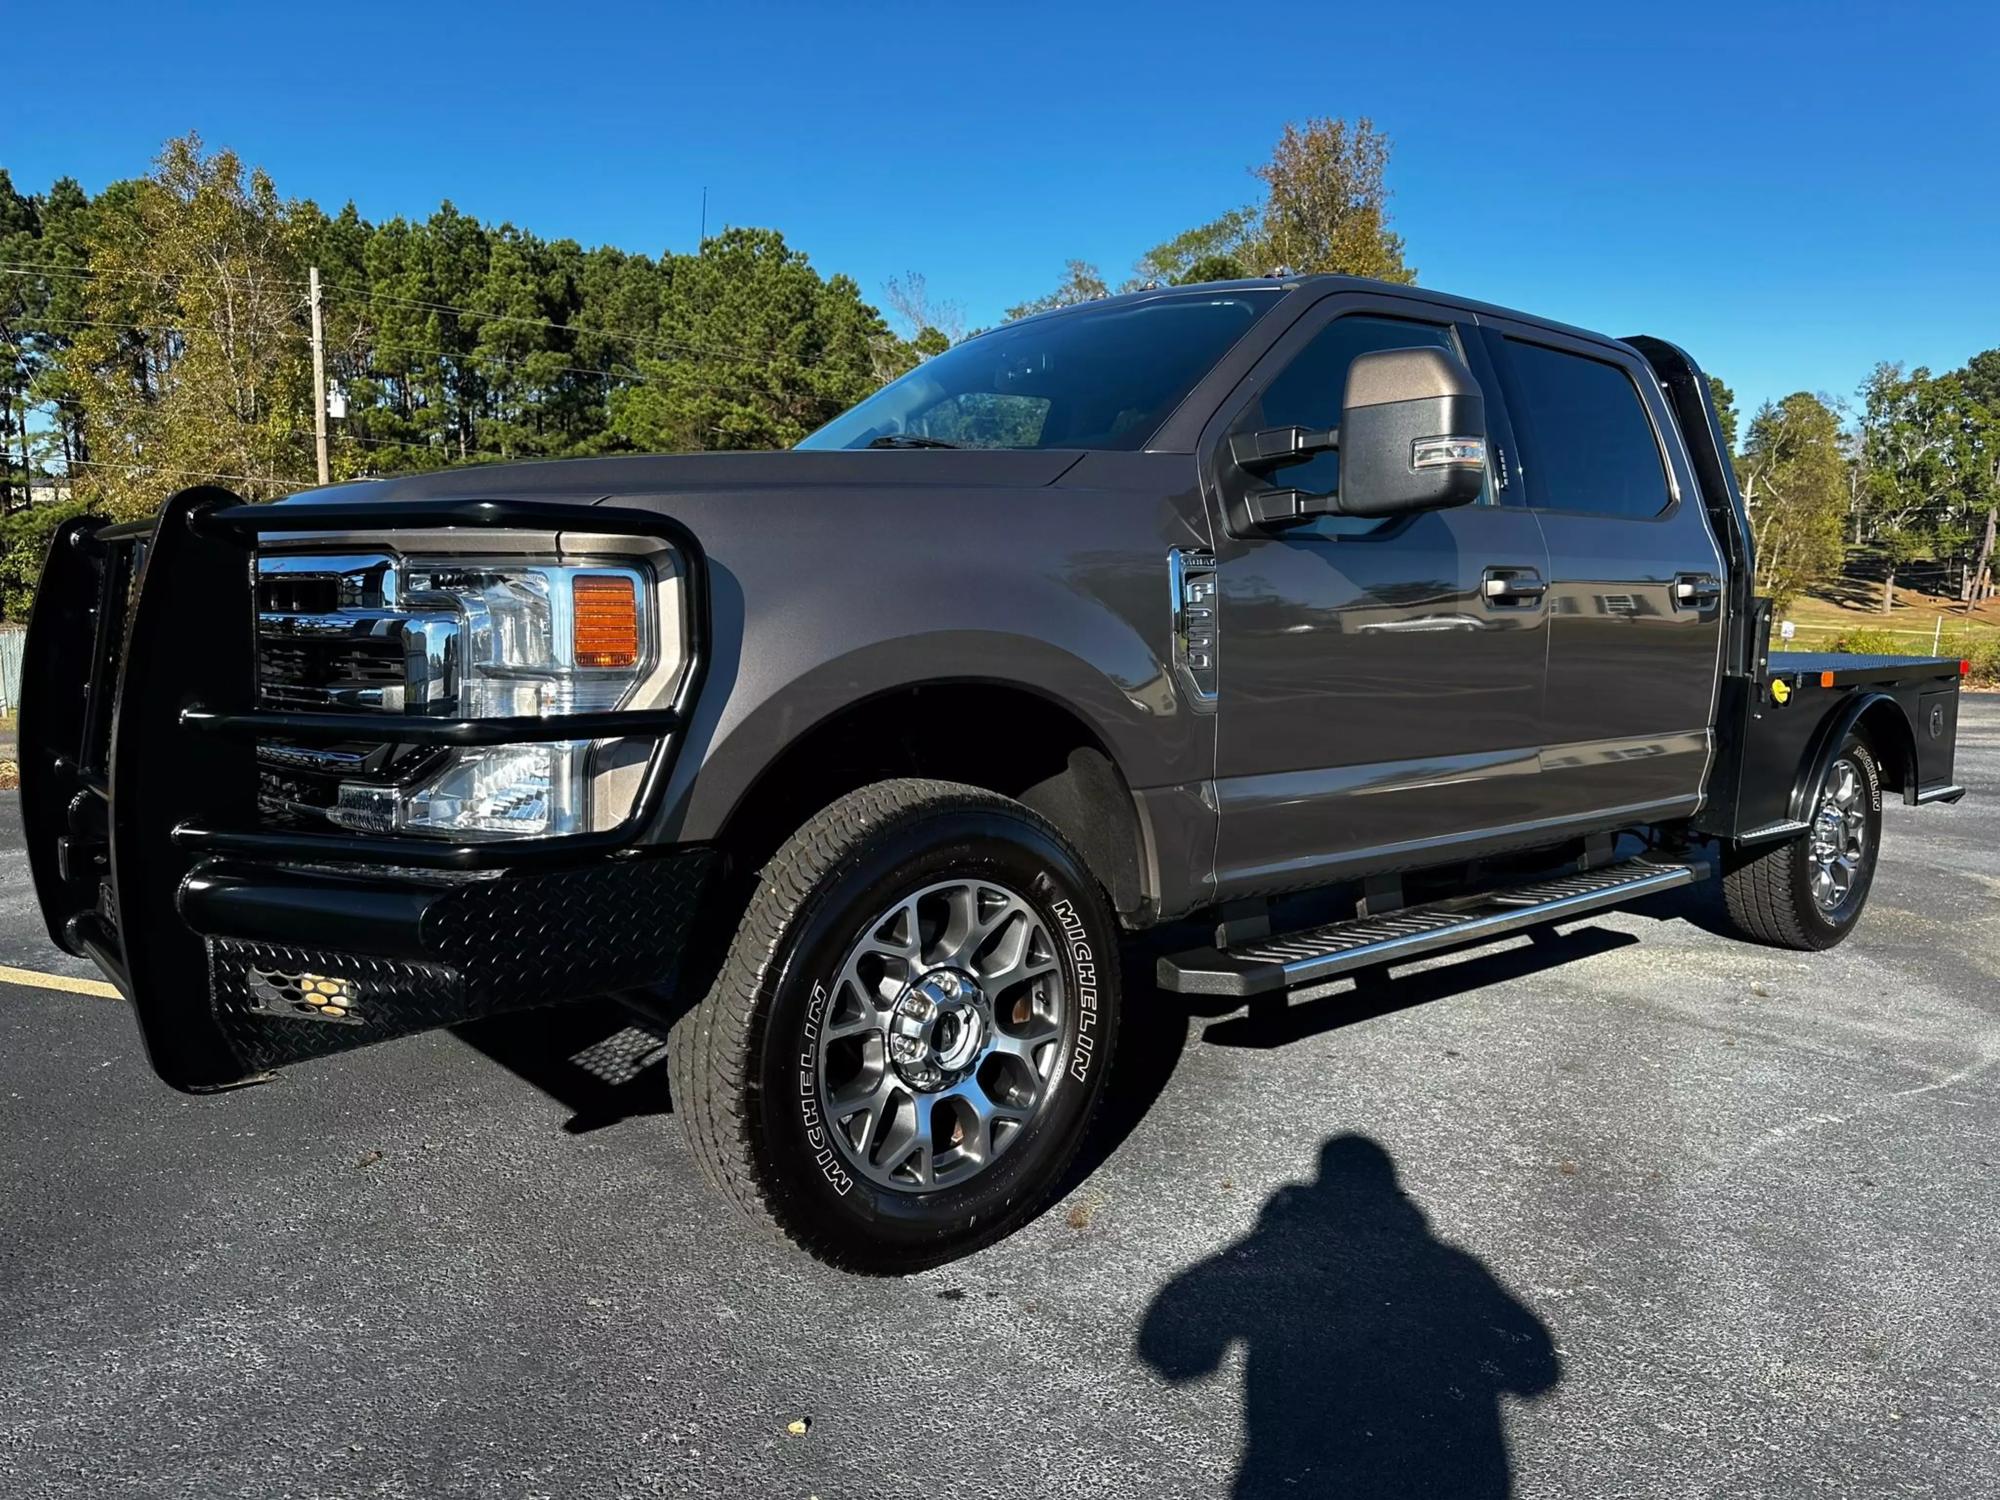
(1101, 377)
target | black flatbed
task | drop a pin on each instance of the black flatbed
(1852, 669)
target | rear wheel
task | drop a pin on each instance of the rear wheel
(910, 1034)
(1808, 892)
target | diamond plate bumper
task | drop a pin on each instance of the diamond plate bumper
(306, 965)
(240, 947)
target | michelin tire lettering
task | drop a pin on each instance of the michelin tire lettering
(1086, 987)
(818, 1141)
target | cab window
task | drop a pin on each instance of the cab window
(1309, 391)
(1588, 444)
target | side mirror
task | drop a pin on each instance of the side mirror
(1412, 437)
(1412, 433)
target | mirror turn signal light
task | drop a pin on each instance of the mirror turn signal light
(604, 618)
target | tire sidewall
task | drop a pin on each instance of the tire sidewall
(1828, 928)
(813, 1184)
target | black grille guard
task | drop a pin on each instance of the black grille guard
(138, 726)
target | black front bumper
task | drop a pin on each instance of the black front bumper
(241, 949)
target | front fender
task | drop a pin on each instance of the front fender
(825, 606)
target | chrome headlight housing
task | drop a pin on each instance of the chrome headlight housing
(474, 636)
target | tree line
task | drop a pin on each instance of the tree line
(1907, 472)
(157, 334)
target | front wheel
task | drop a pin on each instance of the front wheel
(1808, 892)
(907, 1041)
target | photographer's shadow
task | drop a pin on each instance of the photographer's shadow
(1375, 1354)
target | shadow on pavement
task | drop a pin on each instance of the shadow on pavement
(1157, 1026)
(599, 1059)
(1375, 1354)
(606, 1062)
(1273, 1022)
(1700, 905)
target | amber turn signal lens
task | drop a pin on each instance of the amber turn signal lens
(1826, 679)
(605, 617)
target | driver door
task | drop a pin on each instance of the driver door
(1380, 682)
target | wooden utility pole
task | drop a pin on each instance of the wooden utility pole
(319, 378)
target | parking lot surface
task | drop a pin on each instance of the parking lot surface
(1639, 1211)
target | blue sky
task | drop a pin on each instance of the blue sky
(1792, 191)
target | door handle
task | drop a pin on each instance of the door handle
(1504, 586)
(1696, 590)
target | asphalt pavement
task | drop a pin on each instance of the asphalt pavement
(1639, 1211)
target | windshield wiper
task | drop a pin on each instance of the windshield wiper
(908, 440)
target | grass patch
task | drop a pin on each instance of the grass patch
(1979, 646)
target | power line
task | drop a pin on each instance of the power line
(48, 323)
(482, 355)
(445, 448)
(152, 468)
(721, 351)
(476, 357)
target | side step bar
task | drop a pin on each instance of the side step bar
(1283, 963)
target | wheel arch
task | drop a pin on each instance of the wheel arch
(1880, 722)
(1050, 758)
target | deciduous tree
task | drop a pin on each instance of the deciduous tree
(1328, 201)
(1793, 476)
(1082, 282)
(1915, 469)
(1979, 385)
(195, 358)
(1725, 410)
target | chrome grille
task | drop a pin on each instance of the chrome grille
(330, 635)
(295, 672)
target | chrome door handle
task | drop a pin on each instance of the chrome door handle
(1513, 586)
(1695, 590)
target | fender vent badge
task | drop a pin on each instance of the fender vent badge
(1196, 636)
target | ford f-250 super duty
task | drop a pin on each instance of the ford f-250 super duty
(1357, 621)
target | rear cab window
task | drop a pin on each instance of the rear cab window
(1589, 447)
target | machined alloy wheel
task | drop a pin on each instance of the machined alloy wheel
(1807, 891)
(1838, 846)
(941, 1034)
(907, 1040)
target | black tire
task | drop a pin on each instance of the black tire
(1768, 888)
(739, 1062)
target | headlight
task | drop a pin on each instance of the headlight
(474, 637)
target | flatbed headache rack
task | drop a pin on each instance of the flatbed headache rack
(138, 740)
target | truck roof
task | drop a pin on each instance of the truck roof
(1320, 285)
(591, 479)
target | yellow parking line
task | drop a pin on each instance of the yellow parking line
(59, 982)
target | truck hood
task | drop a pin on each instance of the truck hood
(586, 481)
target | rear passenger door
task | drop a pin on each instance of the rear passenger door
(1635, 576)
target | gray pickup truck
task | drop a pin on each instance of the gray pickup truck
(1332, 622)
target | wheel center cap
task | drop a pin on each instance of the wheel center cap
(938, 1028)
